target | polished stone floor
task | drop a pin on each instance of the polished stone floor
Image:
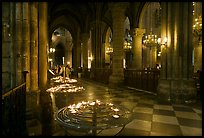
(149, 116)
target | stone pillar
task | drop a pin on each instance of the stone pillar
(153, 56)
(176, 83)
(145, 56)
(43, 44)
(98, 44)
(85, 38)
(26, 43)
(137, 47)
(117, 77)
(93, 51)
(18, 42)
(76, 52)
(8, 55)
(34, 46)
(198, 56)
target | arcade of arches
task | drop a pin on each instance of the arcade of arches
(113, 37)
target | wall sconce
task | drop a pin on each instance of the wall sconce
(109, 50)
(50, 59)
(90, 58)
(52, 50)
(162, 42)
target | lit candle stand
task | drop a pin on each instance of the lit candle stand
(60, 79)
(92, 117)
(65, 88)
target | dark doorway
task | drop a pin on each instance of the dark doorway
(59, 54)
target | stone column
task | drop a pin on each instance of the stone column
(34, 46)
(137, 47)
(93, 51)
(18, 41)
(43, 44)
(153, 57)
(85, 38)
(176, 83)
(117, 77)
(98, 44)
(145, 56)
(13, 50)
(198, 56)
(26, 43)
(8, 57)
(76, 52)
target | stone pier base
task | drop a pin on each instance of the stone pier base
(177, 91)
(116, 81)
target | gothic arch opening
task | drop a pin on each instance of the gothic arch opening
(61, 41)
(59, 55)
(128, 55)
(150, 20)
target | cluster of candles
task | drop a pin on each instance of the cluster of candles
(65, 85)
(60, 79)
(65, 88)
(81, 106)
(93, 115)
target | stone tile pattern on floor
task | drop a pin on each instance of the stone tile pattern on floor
(149, 116)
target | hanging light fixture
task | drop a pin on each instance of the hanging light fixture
(128, 41)
(197, 22)
(109, 49)
(150, 40)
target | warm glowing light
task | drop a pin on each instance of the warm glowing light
(109, 50)
(93, 115)
(115, 116)
(52, 50)
(61, 79)
(165, 39)
(197, 26)
(151, 40)
(65, 88)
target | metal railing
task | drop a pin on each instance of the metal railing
(14, 111)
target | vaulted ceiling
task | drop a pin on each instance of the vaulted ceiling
(76, 16)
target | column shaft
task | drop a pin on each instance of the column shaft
(85, 38)
(177, 85)
(34, 46)
(26, 43)
(13, 49)
(18, 42)
(137, 48)
(117, 76)
(43, 43)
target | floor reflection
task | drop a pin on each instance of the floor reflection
(144, 106)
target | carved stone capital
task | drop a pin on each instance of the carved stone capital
(138, 32)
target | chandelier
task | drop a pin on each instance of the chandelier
(150, 40)
(109, 49)
(197, 20)
(128, 41)
(197, 26)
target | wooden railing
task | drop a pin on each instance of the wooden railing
(98, 74)
(14, 112)
(146, 80)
